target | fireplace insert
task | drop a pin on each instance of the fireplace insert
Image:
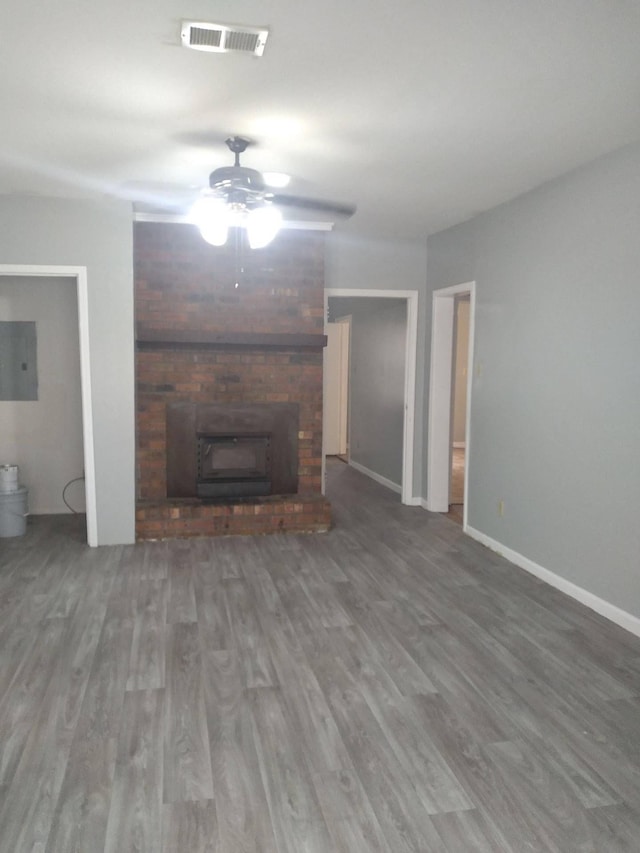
(232, 450)
(233, 465)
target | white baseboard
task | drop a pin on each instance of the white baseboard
(424, 503)
(395, 487)
(610, 611)
(459, 443)
(414, 501)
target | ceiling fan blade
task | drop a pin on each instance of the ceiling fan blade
(158, 193)
(319, 205)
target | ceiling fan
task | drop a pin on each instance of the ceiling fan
(240, 197)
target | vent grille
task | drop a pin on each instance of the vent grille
(223, 38)
(199, 37)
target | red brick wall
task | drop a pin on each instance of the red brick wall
(183, 283)
(221, 376)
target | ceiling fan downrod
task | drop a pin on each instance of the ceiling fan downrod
(237, 145)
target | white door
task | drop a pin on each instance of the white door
(335, 383)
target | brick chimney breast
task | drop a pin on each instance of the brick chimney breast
(202, 340)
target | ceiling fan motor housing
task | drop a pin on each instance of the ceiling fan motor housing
(237, 177)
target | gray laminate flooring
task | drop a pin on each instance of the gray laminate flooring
(390, 686)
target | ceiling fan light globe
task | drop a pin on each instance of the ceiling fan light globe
(277, 180)
(262, 224)
(215, 234)
(211, 215)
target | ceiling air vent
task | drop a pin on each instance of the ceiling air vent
(223, 38)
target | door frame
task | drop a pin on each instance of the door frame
(82, 290)
(440, 391)
(410, 361)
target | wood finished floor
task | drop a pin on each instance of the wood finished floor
(390, 686)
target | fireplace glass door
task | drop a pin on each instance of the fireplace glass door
(234, 465)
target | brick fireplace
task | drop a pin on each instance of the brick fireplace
(229, 384)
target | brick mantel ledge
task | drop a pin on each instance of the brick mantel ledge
(148, 338)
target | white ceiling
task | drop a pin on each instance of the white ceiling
(422, 112)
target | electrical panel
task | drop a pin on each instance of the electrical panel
(18, 360)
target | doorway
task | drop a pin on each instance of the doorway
(79, 278)
(441, 451)
(335, 378)
(459, 407)
(410, 298)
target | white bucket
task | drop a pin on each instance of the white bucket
(13, 512)
(8, 478)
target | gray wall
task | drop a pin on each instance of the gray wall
(44, 436)
(355, 261)
(97, 235)
(376, 382)
(556, 410)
